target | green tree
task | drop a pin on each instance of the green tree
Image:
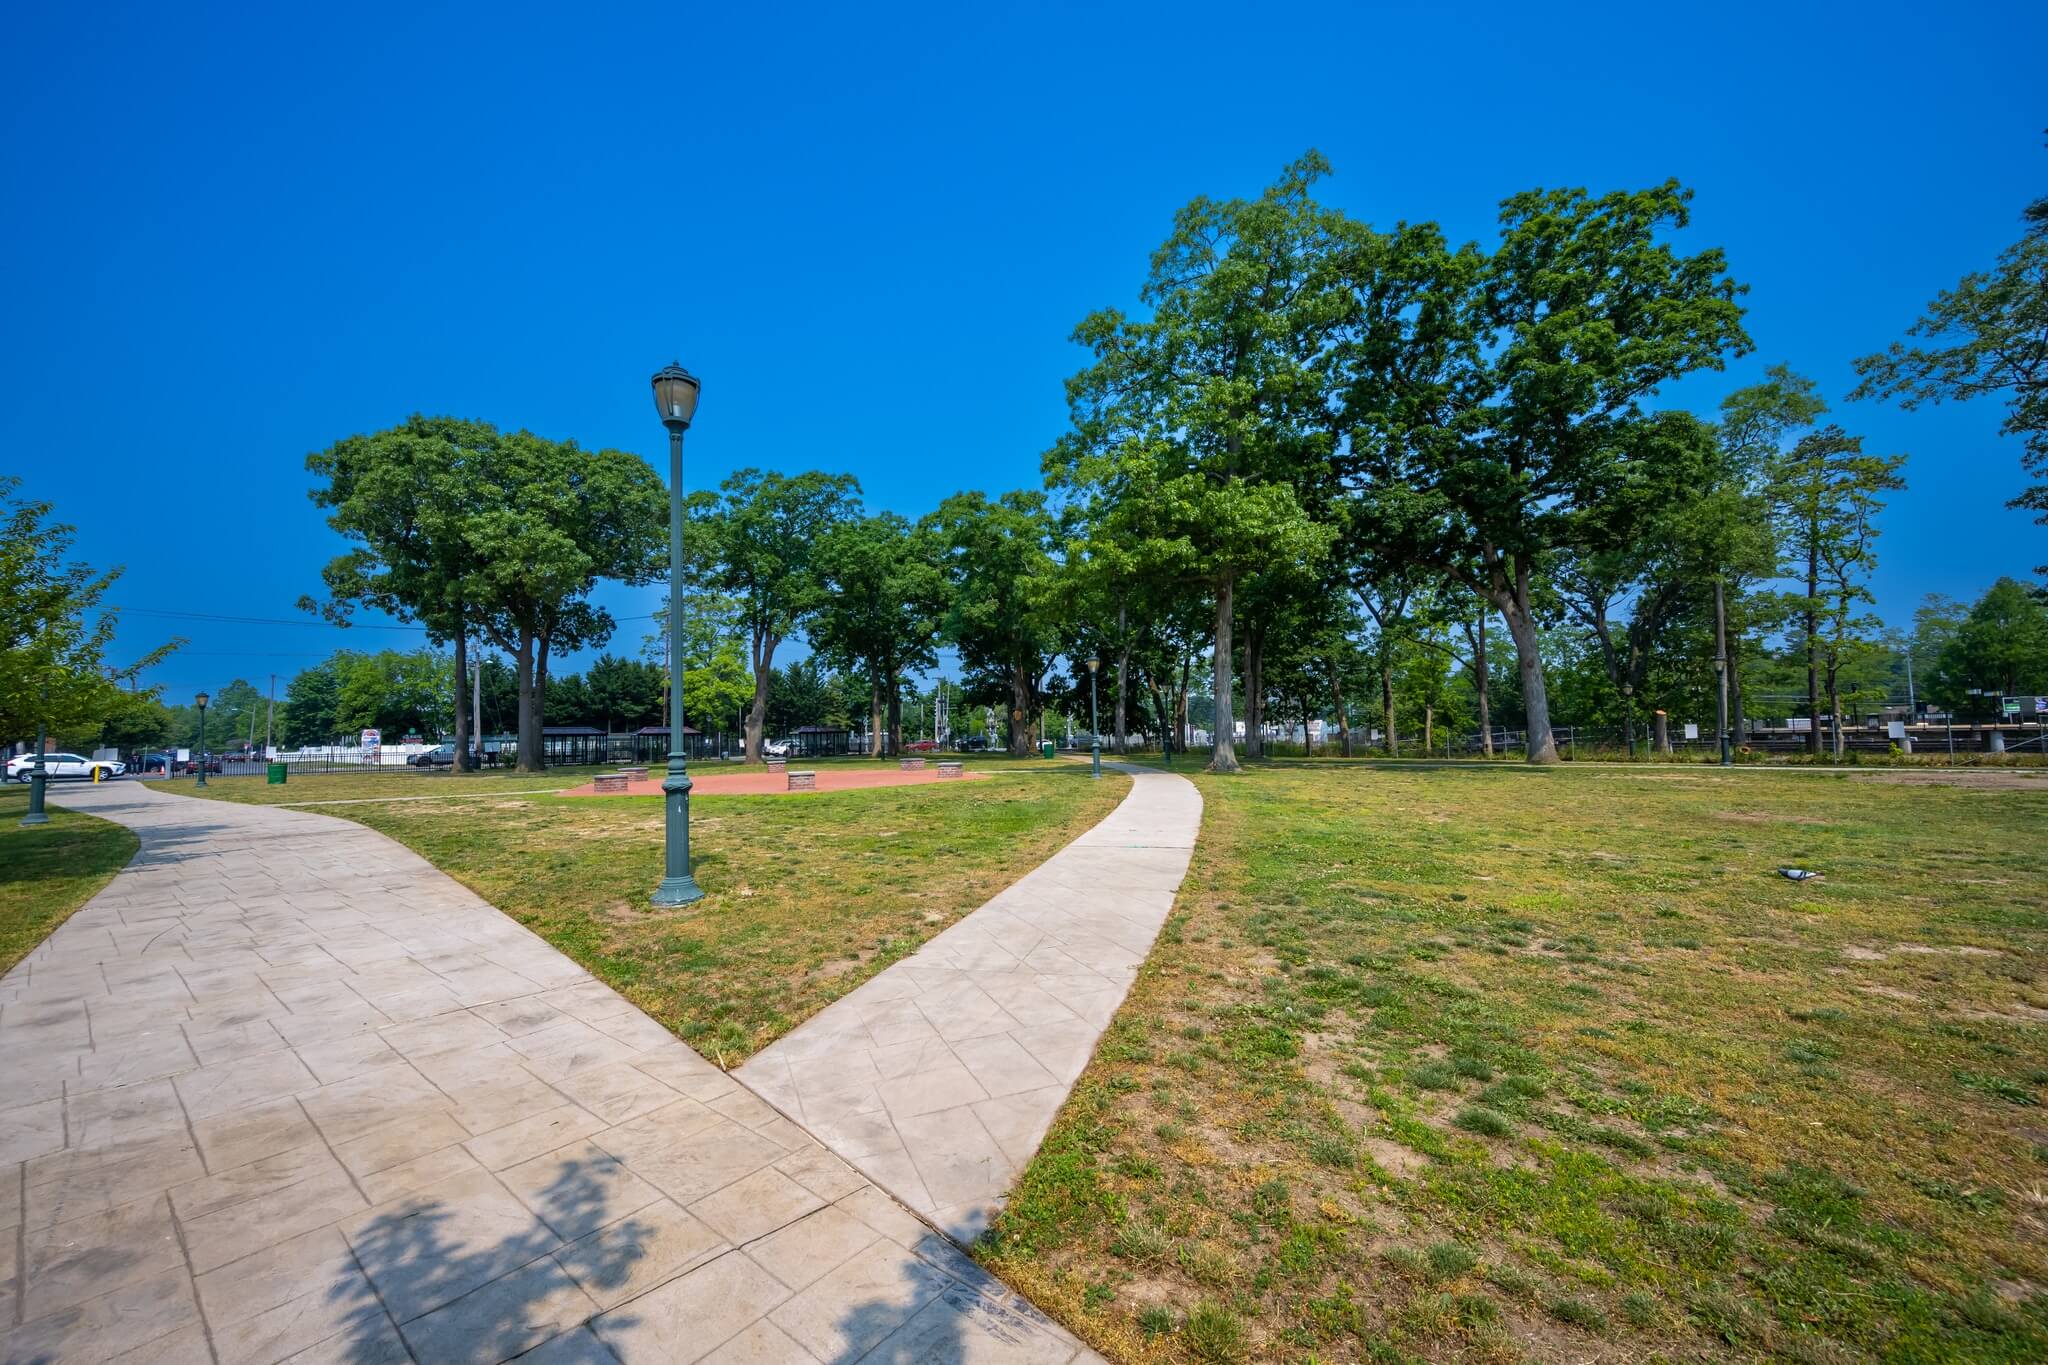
(625, 694)
(54, 632)
(756, 541)
(311, 706)
(1987, 336)
(1491, 402)
(1198, 427)
(1000, 567)
(886, 593)
(397, 692)
(1999, 649)
(1827, 493)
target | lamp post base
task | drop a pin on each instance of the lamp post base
(36, 815)
(1095, 759)
(678, 887)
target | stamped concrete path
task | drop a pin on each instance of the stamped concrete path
(282, 1091)
(939, 1077)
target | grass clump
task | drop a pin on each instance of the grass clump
(1215, 1333)
(1485, 1122)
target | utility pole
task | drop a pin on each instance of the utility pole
(1721, 674)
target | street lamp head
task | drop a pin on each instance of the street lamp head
(202, 700)
(1094, 662)
(675, 396)
(1628, 689)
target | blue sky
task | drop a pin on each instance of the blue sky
(234, 236)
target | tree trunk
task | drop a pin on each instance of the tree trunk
(1542, 745)
(1479, 681)
(1834, 714)
(1254, 692)
(529, 706)
(1343, 716)
(874, 712)
(1123, 662)
(464, 722)
(895, 717)
(757, 714)
(1020, 703)
(1387, 707)
(1428, 729)
(1812, 622)
(1222, 753)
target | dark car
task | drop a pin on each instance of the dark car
(971, 743)
(440, 756)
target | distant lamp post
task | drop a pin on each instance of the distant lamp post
(1094, 724)
(199, 759)
(37, 780)
(675, 398)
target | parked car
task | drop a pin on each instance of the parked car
(777, 748)
(440, 756)
(921, 746)
(22, 767)
(968, 744)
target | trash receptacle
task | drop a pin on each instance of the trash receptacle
(276, 775)
(1045, 750)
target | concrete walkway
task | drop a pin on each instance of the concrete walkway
(282, 1091)
(939, 1077)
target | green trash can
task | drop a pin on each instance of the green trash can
(1045, 750)
(276, 775)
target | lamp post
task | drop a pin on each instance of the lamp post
(37, 781)
(675, 398)
(199, 759)
(1094, 724)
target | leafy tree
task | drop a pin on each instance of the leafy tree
(1200, 427)
(311, 702)
(756, 542)
(999, 566)
(803, 694)
(1490, 401)
(1988, 335)
(134, 721)
(567, 701)
(626, 694)
(886, 595)
(54, 632)
(1999, 649)
(397, 692)
(1827, 494)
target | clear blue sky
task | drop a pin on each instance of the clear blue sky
(232, 235)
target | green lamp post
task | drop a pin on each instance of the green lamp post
(1094, 722)
(675, 398)
(199, 759)
(37, 781)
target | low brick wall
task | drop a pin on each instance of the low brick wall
(803, 782)
(776, 765)
(610, 784)
(634, 774)
(910, 765)
(948, 769)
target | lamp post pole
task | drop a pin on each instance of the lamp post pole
(675, 397)
(1094, 721)
(199, 759)
(37, 782)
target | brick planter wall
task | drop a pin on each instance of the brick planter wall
(951, 770)
(803, 782)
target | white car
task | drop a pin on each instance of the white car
(22, 767)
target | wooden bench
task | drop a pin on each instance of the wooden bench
(609, 784)
(951, 768)
(910, 765)
(803, 781)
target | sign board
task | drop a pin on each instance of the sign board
(372, 738)
(1799, 723)
(1692, 729)
(1895, 728)
(2041, 706)
(2012, 706)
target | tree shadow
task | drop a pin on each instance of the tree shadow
(500, 1298)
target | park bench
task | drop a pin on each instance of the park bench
(803, 781)
(951, 768)
(911, 765)
(609, 784)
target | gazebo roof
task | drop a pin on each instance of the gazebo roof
(547, 730)
(688, 729)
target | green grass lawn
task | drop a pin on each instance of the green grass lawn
(805, 896)
(1492, 1063)
(49, 871)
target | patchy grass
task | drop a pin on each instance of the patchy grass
(805, 896)
(1611, 1087)
(50, 870)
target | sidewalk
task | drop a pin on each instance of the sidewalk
(285, 1091)
(939, 1077)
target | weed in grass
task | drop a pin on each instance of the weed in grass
(1433, 1076)
(1170, 1132)
(1141, 1241)
(1475, 1310)
(1154, 1320)
(1511, 1092)
(1485, 1122)
(1335, 1153)
(1097, 1296)
(1406, 1260)
(1579, 1313)
(1639, 1308)
(1215, 1333)
(1472, 1068)
(2012, 1092)
(1511, 1280)
(1448, 1259)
